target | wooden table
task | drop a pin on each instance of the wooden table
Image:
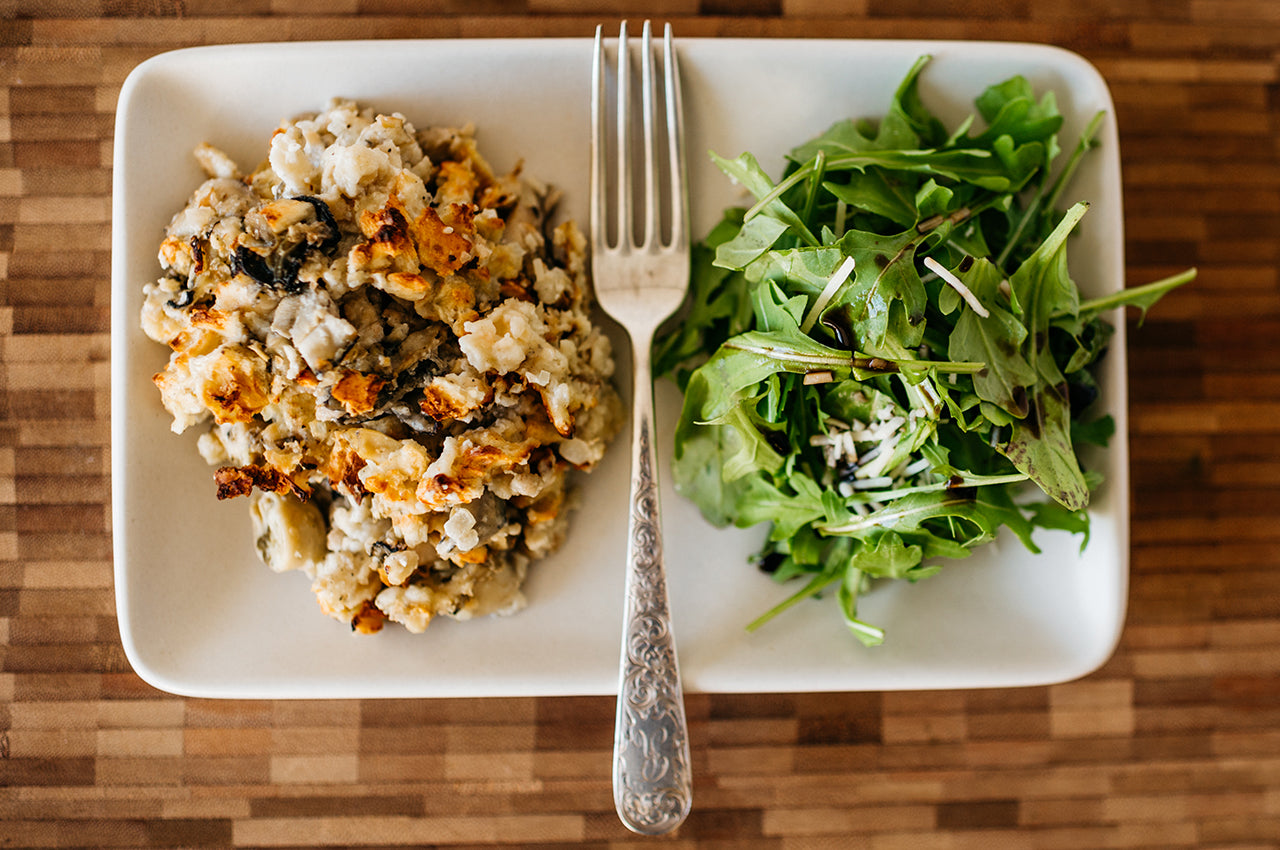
(1174, 742)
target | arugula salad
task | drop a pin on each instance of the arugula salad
(885, 356)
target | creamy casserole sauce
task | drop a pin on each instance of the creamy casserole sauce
(391, 354)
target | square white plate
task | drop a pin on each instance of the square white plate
(200, 615)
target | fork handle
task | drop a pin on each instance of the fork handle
(652, 787)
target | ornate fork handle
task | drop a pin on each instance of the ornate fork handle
(652, 788)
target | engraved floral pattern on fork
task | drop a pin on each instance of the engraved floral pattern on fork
(652, 769)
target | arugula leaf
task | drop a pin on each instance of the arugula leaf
(1095, 432)
(907, 126)
(753, 239)
(802, 270)
(907, 514)
(1040, 443)
(697, 471)
(761, 501)
(717, 306)
(1042, 287)
(875, 192)
(754, 450)
(746, 171)
(888, 557)
(1010, 109)
(1054, 515)
(908, 106)
(847, 596)
(1005, 167)
(995, 340)
(1142, 297)
(1087, 340)
(885, 278)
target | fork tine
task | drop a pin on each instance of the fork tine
(675, 143)
(625, 233)
(650, 159)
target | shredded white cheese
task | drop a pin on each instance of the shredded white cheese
(828, 292)
(958, 285)
(916, 468)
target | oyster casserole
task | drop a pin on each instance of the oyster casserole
(390, 351)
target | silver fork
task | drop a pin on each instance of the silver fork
(640, 282)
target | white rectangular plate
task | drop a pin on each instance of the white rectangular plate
(200, 615)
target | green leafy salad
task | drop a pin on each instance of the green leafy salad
(885, 356)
